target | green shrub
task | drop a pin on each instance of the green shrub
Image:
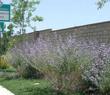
(27, 71)
(23, 67)
(10, 69)
(3, 62)
(104, 83)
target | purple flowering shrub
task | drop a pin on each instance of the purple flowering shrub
(66, 63)
(98, 72)
(60, 61)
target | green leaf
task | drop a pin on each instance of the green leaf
(37, 18)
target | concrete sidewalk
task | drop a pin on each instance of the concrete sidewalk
(4, 91)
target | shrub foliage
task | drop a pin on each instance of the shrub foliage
(70, 65)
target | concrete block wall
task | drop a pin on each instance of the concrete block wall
(93, 32)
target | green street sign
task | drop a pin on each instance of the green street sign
(5, 12)
(1, 26)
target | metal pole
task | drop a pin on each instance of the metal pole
(0, 46)
(0, 35)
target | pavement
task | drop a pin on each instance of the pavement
(4, 91)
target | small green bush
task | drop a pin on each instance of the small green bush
(3, 62)
(104, 83)
(23, 68)
(27, 71)
(10, 69)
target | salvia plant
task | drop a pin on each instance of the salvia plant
(68, 63)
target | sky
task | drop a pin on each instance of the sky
(60, 14)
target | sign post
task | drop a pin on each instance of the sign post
(1, 26)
